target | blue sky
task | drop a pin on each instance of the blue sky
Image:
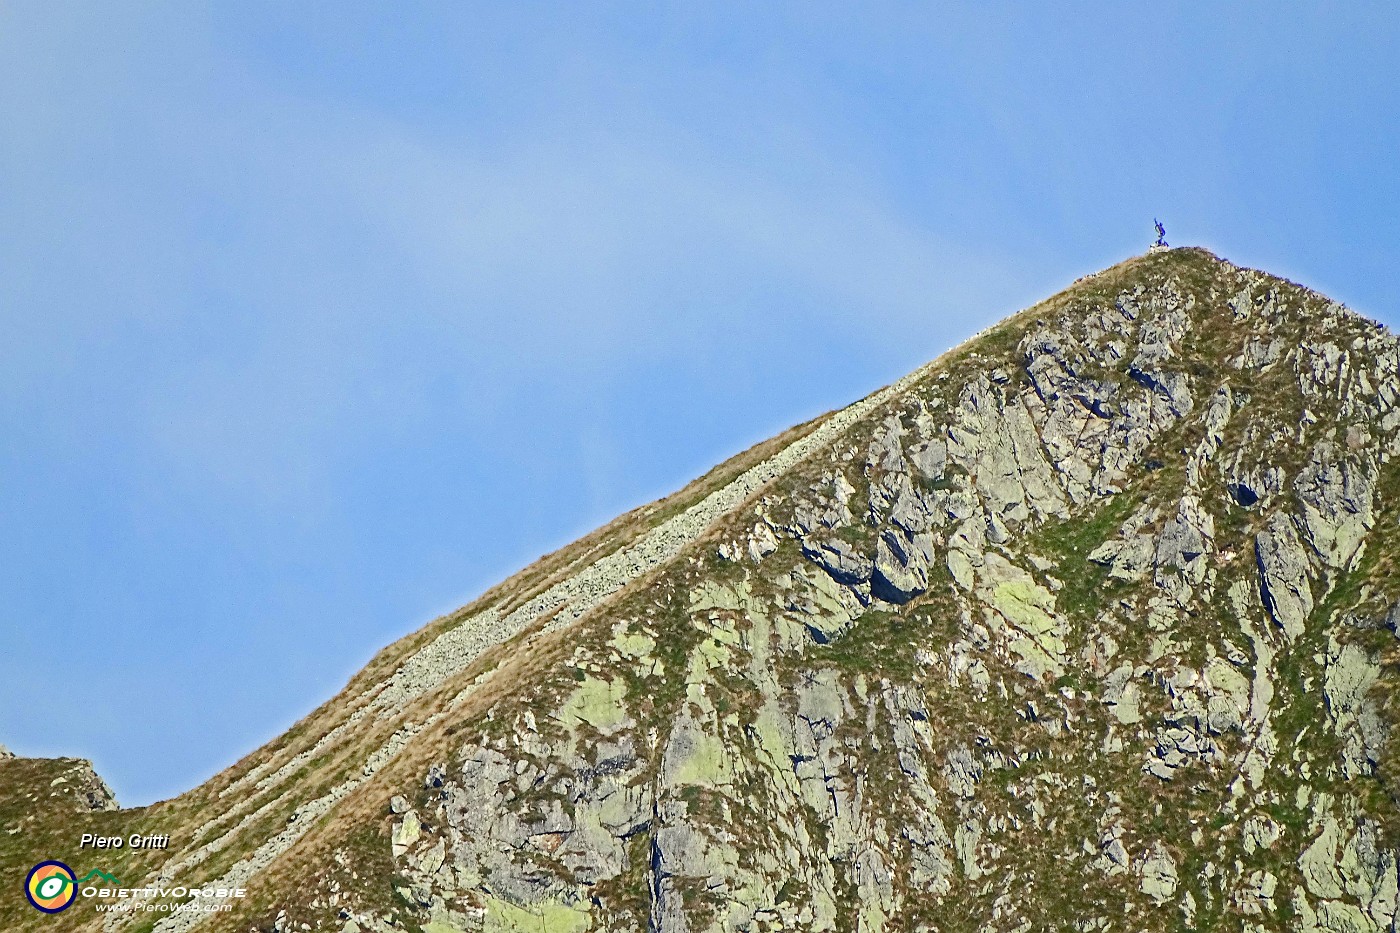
(318, 319)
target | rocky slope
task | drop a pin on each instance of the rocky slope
(1090, 624)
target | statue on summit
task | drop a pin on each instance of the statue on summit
(1161, 235)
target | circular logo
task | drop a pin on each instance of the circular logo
(50, 887)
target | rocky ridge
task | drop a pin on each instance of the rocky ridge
(1090, 624)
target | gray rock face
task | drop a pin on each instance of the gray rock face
(1159, 878)
(1095, 430)
(1283, 576)
(995, 441)
(843, 560)
(826, 608)
(762, 542)
(1123, 696)
(1260, 355)
(406, 832)
(1260, 832)
(1336, 493)
(77, 788)
(1133, 552)
(1349, 677)
(1255, 898)
(827, 505)
(497, 831)
(901, 566)
(1176, 748)
(930, 458)
(1172, 388)
(1319, 862)
(1185, 539)
(962, 772)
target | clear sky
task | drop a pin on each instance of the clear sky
(317, 319)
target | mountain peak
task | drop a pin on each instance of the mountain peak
(1088, 623)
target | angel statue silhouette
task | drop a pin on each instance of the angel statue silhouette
(1161, 234)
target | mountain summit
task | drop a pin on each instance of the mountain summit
(1089, 624)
